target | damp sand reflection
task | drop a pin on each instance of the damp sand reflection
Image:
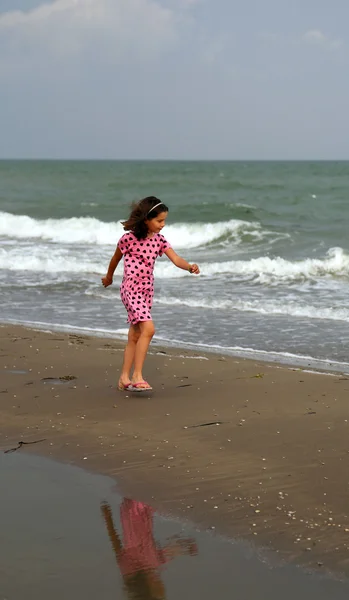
(139, 556)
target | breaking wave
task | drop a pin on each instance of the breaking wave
(91, 231)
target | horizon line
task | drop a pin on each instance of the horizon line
(37, 159)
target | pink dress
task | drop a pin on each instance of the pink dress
(140, 551)
(137, 288)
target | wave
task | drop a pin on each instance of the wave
(76, 230)
(263, 270)
(91, 231)
(272, 271)
(262, 307)
(44, 260)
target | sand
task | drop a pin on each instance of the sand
(251, 450)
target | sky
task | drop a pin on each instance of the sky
(174, 79)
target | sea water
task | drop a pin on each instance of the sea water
(270, 239)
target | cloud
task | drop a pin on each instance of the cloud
(317, 37)
(99, 77)
(112, 27)
(312, 37)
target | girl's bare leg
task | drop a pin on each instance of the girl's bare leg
(129, 354)
(147, 331)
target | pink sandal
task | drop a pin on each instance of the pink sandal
(124, 387)
(139, 387)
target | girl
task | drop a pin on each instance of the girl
(140, 248)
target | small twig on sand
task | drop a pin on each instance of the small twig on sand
(20, 444)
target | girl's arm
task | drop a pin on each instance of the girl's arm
(180, 547)
(113, 534)
(181, 263)
(108, 279)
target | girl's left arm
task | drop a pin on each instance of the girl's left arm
(181, 263)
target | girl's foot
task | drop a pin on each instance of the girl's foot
(124, 385)
(140, 385)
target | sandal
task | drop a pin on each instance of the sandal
(124, 387)
(139, 387)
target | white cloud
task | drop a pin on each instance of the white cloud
(317, 37)
(213, 50)
(94, 76)
(66, 26)
(312, 37)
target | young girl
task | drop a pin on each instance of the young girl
(140, 248)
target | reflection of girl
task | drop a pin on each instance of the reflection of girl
(140, 558)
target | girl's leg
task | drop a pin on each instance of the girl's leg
(129, 354)
(147, 331)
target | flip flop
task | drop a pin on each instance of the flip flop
(124, 387)
(137, 387)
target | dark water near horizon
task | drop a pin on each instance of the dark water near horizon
(270, 237)
(67, 534)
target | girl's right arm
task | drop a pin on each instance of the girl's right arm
(180, 262)
(108, 279)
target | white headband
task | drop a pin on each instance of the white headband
(154, 207)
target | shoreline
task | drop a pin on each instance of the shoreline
(316, 365)
(250, 450)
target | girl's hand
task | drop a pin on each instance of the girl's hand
(107, 280)
(194, 269)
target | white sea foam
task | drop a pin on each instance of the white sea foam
(88, 230)
(82, 230)
(48, 260)
(262, 307)
(264, 269)
(267, 270)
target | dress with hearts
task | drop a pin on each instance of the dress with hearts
(137, 288)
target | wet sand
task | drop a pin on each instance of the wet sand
(250, 450)
(66, 534)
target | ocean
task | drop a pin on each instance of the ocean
(271, 239)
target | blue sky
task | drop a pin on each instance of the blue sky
(181, 79)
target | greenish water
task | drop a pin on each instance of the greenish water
(270, 237)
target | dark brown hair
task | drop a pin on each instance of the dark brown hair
(141, 211)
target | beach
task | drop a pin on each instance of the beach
(247, 449)
(221, 126)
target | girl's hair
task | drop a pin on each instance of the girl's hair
(148, 208)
